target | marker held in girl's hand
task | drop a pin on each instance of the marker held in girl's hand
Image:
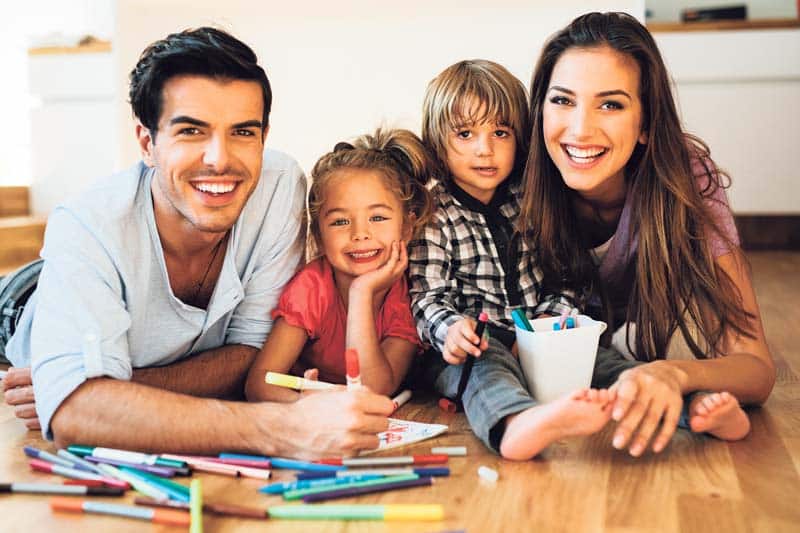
(353, 369)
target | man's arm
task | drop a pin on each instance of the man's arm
(121, 414)
(217, 373)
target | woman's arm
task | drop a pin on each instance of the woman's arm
(283, 346)
(383, 364)
(651, 395)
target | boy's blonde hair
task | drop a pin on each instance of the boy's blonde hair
(447, 106)
(398, 155)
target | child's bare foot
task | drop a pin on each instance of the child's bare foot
(582, 412)
(720, 415)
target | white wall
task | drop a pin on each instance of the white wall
(339, 69)
(740, 92)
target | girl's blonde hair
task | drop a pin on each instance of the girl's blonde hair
(450, 103)
(401, 159)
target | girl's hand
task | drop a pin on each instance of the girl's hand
(649, 396)
(384, 276)
(462, 340)
(312, 374)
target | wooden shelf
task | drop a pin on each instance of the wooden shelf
(92, 47)
(724, 25)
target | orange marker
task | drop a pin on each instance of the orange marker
(158, 516)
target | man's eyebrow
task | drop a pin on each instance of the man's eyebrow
(248, 124)
(184, 119)
(601, 94)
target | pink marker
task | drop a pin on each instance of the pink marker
(353, 369)
(44, 466)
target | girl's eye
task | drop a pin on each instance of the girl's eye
(612, 104)
(464, 134)
(340, 222)
(560, 100)
(377, 218)
(502, 133)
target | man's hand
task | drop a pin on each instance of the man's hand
(462, 340)
(383, 277)
(333, 424)
(18, 391)
(648, 396)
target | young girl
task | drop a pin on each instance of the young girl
(470, 260)
(366, 200)
(620, 201)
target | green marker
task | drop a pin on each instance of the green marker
(196, 507)
(410, 512)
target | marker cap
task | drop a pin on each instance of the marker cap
(447, 405)
(351, 362)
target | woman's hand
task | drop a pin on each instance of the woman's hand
(648, 396)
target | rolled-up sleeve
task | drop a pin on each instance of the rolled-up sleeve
(79, 328)
(281, 251)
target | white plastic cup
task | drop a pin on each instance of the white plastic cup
(558, 362)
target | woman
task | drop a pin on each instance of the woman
(623, 204)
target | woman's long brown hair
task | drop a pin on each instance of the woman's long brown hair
(677, 282)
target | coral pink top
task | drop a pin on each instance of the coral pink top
(311, 301)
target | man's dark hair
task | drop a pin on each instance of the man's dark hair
(203, 51)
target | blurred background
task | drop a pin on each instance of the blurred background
(339, 69)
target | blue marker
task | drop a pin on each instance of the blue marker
(30, 451)
(280, 462)
(349, 474)
(570, 322)
(281, 487)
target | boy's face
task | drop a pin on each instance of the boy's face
(480, 156)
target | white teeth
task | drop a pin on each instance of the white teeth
(364, 255)
(215, 188)
(584, 153)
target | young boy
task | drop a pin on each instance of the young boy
(470, 260)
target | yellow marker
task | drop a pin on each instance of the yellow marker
(294, 382)
(196, 506)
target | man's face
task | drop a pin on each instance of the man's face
(207, 151)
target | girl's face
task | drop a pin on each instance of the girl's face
(480, 156)
(592, 119)
(359, 220)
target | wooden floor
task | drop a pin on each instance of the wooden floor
(697, 484)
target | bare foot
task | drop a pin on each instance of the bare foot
(582, 412)
(719, 414)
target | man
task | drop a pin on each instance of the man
(157, 283)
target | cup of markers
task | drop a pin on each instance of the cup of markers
(558, 355)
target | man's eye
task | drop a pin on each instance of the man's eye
(188, 131)
(245, 133)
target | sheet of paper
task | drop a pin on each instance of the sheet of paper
(402, 432)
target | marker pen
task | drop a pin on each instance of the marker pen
(353, 369)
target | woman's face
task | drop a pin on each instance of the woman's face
(592, 120)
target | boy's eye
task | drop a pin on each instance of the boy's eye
(340, 222)
(559, 100)
(611, 104)
(463, 134)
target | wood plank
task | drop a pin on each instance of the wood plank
(14, 201)
(21, 239)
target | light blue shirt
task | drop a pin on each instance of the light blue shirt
(104, 306)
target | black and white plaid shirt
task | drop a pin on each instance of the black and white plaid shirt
(469, 259)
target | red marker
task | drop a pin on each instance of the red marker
(384, 461)
(353, 369)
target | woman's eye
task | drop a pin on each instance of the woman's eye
(560, 100)
(611, 104)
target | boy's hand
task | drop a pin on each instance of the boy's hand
(462, 340)
(384, 276)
